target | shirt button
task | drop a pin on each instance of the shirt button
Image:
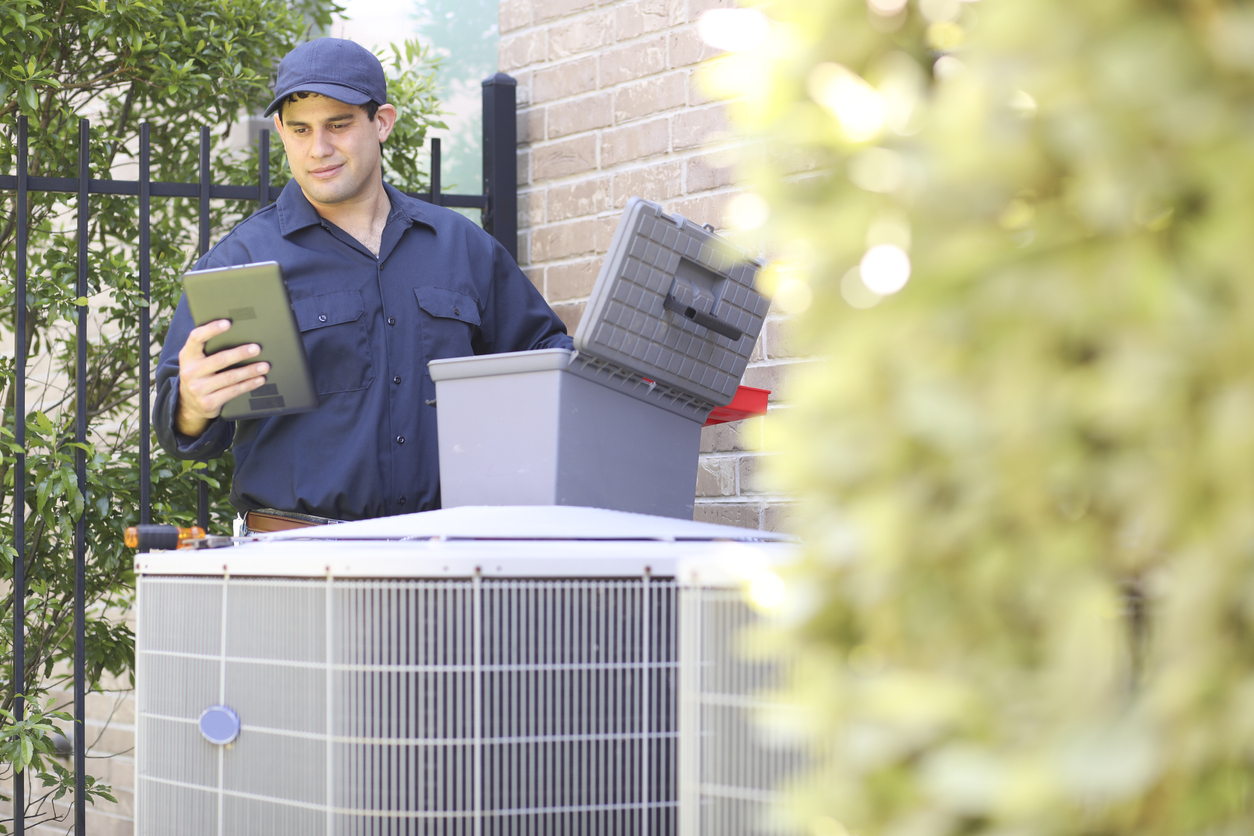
(400, 500)
(391, 320)
(396, 379)
(400, 439)
(322, 317)
(456, 312)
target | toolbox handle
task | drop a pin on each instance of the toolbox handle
(703, 319)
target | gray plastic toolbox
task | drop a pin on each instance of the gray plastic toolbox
(616, 423)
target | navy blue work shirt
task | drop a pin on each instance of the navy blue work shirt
(440, 287)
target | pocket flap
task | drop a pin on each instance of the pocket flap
(447, 304)
(328, 309)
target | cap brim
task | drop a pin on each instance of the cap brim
(334, 91)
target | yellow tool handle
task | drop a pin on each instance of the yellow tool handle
(157, 537)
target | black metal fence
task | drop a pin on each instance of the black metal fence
(499, 204)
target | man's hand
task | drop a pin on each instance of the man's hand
(205, 383)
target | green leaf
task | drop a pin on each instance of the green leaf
(44, 423)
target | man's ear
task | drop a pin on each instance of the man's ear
(385, 120)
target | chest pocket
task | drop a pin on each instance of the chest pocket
(450, 324)
(333, 329)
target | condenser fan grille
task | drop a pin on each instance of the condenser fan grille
(736, 769)
(470, 707)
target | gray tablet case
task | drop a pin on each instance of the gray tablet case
(674, 316)
(254, 298)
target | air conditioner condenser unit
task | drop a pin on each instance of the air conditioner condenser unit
(469, 671)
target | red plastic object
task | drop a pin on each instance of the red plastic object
(747, 402)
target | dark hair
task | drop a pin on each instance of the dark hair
(371, 107)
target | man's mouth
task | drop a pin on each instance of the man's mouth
(325, 172)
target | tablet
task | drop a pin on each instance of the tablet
(254, 298)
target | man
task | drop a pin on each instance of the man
(380, 283)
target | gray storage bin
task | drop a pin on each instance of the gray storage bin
(616, 423)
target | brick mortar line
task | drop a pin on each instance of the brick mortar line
(600, 88)
(585, 95)
(643, 37)
(614, 88)
(657, 115)
(580, 98)
(575, 180)
(735, 457)
(682, 155)
(653, 162)
(544, 26)
(597, 52)
(745, 499)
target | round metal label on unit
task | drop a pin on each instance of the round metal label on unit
(219, 724)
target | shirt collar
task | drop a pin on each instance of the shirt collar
(296, 212)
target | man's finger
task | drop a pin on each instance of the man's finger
(209, 386)
(218, 398)
(203, 333)
(220, 360)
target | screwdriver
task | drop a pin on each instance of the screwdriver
(159, 537)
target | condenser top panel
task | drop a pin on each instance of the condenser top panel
(675, 304)
(529, 522)
(558, 541)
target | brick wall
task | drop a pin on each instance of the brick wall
(609, 107)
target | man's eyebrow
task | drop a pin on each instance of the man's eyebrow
(338, 117)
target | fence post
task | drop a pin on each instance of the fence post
(202, 488)
(80, 467)
(500, 160)
(19, 473)
(145, 322)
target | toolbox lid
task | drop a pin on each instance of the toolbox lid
(674, 304)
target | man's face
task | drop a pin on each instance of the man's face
(333, 149)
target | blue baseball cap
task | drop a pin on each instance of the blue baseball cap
(340, 69)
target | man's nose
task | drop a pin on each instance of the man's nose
(321, 145)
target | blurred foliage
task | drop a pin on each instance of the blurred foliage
(412, 84)
(177, 66)
(1027, 476)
